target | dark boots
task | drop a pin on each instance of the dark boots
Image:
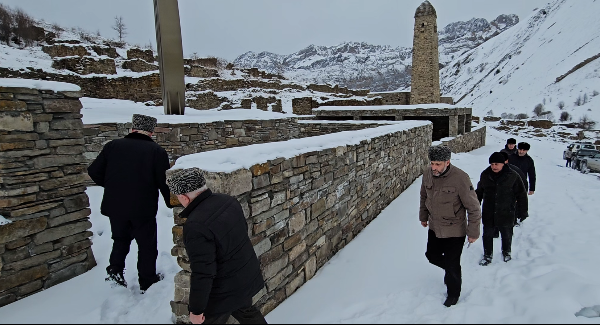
(146, 283)
(506, 256)
(451, 301)
(486, 260)
(115, 277)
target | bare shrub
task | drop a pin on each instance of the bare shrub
(578, 101)
(538, 110)
(490, 113)
(595, 93)
(565, 116)
(57, 30)
(586, 123)
(24, 27)
(521, 116)
(585, 98)
(561, 105)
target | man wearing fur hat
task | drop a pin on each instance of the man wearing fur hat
(511, 147)
(525, 163)
(225, 270)
(502, 191)
(132, 172)
(447, 196)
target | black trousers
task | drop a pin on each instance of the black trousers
(506, 233)
(568, 162)
(144, 233)
(445, 253)
(245, 315)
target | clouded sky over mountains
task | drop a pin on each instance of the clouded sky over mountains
(228, 28)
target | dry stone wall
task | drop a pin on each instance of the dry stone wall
(86, 65)
(468, 141)
(302, 210)
(42, 192)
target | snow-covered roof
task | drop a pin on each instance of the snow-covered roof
(232, 159)
(38, 84)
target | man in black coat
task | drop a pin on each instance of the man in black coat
(525, 163)
(502, 192)
(511, 147)
(226, 273)
(132, 171)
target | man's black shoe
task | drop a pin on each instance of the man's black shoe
(451, 301)
(145, 284)
(116, 277)
(485, 261)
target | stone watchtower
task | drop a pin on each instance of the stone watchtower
(425, 64)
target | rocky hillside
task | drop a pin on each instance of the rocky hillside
(365, 66)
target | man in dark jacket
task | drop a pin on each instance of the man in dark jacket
(132, 171)
(525, 184)
(447, 195)
(525, 163)
(511, 147)
(225, 270)
(502, 191)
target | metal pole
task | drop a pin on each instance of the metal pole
(170, 55)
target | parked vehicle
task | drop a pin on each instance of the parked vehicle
(580, 155)
(590, 164)
(574, 147)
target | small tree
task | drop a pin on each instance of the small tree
(538, 110)
(120, 28)
(578, 101)
(6, 24)
(586, 123)
(23, 27)
(561, 105)
(585, 98)
(565, 116)
(57, 30)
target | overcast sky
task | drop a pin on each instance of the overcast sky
(229, 28)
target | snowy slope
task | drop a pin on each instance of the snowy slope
(518, 69)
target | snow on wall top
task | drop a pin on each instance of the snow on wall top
(385, 107)
(232, 159)
(38, 84)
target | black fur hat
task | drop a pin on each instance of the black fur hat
(439, 153)
(143, 123)
(524, 146)
(511, 141)
(497, 157)
(183, 181)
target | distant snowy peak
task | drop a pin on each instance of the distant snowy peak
(375, 67)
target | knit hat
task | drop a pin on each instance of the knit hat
(439, 153)
(183, 181)
(511, 141)
(524, 146)
(143, 123)
(497, 157)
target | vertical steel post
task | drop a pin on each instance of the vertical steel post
(170, 55)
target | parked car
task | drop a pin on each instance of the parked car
(590, 164)
(580, 155)
(574, 147)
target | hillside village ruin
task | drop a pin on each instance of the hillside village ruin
(300, 210)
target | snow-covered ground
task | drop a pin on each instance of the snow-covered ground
(382, 276)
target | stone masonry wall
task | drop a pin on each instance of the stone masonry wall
(42, 192)
(468, 141)
(302, 210)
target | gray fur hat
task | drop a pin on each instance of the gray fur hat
(143, 123)
(439, 153)
(183, 181)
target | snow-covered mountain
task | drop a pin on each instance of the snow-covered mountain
(549, 58)
(366, 66)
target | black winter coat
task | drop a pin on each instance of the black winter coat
(225, 269)
(132, 171)
(527, 166)
(499, 194)
(521, 174)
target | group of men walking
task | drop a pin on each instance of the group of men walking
(225, 271)
(451, 207)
